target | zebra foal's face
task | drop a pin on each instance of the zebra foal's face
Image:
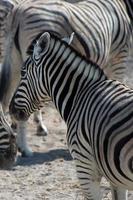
(31, 92)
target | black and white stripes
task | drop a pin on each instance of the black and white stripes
(98, 113)
(8, 146)
(103, 33)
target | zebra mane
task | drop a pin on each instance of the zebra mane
(56, 36)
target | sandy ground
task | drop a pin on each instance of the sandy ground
(50, 173)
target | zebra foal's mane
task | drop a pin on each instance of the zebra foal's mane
(57, 37)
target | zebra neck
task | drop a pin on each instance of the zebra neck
(67, 75)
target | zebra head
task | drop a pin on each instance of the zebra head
(32, 91)
(8, 145)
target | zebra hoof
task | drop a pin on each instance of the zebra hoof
(25, 153)
(42, 131)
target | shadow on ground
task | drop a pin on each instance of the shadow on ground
(41, 157)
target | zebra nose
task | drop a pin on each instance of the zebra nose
(12, 108)
(21, 115)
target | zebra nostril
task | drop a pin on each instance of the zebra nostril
(12, 109)
(21, 115)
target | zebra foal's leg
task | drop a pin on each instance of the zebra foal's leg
(89, 179)
(119, 193)
(21, 139)
(41, 128)
(8, 145)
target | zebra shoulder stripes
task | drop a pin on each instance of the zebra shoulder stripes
(98, 113)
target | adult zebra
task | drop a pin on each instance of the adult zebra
(8, 146)
(98, 113)
(103, 33)
(6, 9)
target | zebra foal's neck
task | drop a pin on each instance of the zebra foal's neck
(66, 72)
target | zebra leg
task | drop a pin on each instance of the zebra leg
(41, 128)
(21, 139)
(119, 193)
(89, 179)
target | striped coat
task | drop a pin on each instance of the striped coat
(98, 113)
(103, 33)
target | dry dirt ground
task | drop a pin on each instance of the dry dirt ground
(50, 173)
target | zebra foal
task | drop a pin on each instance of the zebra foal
(103, 33)
(98, 113)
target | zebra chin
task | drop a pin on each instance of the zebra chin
(8, 156)
(20, 115)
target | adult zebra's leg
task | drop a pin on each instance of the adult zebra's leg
(119, 193)
(8, 145)
(41, 128)
(21, 128)
(21, 139)
(89, 179)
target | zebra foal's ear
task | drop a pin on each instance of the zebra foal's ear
(42, 45)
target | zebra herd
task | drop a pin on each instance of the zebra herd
(109, 44)
(97, 110)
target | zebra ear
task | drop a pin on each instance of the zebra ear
(42, 45)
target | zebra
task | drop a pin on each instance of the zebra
(6, 8)
(98, 113)
(8, 146)
(103, 33)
